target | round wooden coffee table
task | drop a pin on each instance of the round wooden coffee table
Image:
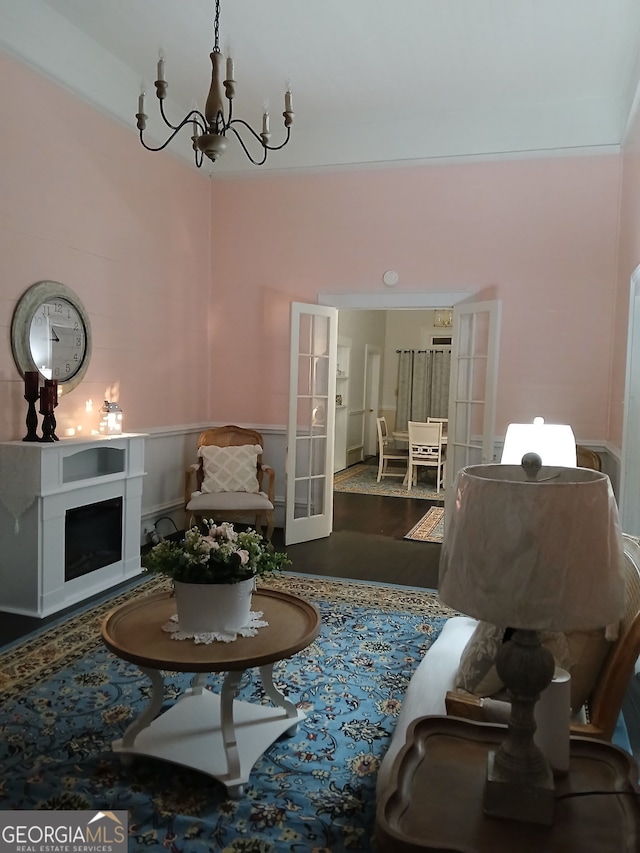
(210, 732)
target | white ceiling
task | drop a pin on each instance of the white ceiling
(406, 81)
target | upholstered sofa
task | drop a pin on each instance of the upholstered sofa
(432, 688)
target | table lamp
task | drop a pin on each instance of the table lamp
(532, 548)
(554, 443)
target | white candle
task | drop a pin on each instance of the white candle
(553, 717)
(161, 69)
(265, 122)
(141, 102)
(287, 101)
(229, 68)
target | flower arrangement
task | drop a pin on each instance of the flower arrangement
(221, 555)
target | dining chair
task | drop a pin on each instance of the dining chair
(425, 450)
(443, 421)
(386, 453)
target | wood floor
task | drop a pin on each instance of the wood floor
(368, 545)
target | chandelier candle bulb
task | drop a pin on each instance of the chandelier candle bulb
(265, 122)
(287, 101)
(141, 102)
(229, 68)
(161, 70)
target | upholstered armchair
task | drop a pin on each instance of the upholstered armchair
(607, 684)
(230, 482)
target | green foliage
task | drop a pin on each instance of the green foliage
(222, 555)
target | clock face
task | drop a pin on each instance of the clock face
(58, 339)
(50, 332)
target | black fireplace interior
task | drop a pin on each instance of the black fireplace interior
(92, 537)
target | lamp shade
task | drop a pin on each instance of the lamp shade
(541, 554)
(554, 443)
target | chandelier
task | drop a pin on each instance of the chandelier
(443, 318)
(209, 130)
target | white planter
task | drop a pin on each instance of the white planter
(213, 608)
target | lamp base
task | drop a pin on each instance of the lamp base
(532, 801)
(519, 779)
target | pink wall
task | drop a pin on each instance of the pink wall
(538, 234)
(629, 258)
(190, 308)
(82, 203)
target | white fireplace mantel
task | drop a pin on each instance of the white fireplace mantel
(39, 483)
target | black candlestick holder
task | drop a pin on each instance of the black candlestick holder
(53, 384)
(46, 410)
(31, 395)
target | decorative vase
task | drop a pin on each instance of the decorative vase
(213, 608)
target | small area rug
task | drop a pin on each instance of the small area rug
(430, 528)
(361, 479)
(65, 698)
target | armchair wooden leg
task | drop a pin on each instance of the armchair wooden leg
(270, 526)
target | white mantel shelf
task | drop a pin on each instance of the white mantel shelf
(39, 482)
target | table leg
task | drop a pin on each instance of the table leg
(227, 695)
(198, 682)
(151, 711)
(278, 698)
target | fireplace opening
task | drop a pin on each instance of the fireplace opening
(92, 537)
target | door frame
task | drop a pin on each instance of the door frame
(390, 300)
(629, 499)
(372, 373)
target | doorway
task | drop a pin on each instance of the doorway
(475, 340)
(371, 331)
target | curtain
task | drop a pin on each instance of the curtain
(405, 381)
(423, 385)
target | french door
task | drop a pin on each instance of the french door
(472, 386)
(311, 426)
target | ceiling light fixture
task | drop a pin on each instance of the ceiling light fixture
(443, 318)
(209, 130)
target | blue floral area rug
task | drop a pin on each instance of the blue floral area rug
(65, 698)
(362, 479)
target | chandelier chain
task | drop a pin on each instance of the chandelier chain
(216, 29)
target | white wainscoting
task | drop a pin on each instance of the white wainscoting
(168, 454)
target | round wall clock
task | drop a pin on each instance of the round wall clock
(50, 332)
